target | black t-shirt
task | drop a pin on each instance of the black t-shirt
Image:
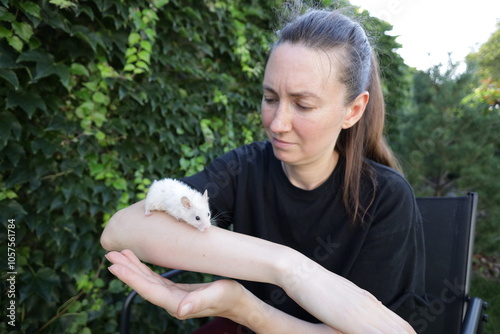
(249, 190)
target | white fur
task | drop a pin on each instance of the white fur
(180, 201)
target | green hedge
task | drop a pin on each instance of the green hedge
(98, 98)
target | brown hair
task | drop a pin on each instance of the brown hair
(330, 30)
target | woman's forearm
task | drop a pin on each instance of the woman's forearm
(221, 298)
(160, 239)
(260, 317)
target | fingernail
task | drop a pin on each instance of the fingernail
(185, 309)
(111, 270)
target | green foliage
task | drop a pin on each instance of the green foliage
(488, 57)
(490, 291)
(449, 146)
(486, 64)
(98, 99)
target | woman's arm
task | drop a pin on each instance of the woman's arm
(222, 298)
(161, 240)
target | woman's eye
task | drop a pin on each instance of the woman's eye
(269, 100)
(302, 107)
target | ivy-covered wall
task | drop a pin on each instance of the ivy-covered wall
(97, 99)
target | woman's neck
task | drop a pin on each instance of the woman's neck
(312, 175)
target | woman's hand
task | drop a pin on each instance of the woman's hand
(218, 298)
(338, 302)
(222, 298)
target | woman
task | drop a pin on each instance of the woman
(327, 236)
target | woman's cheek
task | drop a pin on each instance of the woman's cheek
(266, 117)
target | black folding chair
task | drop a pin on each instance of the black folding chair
(449, 225)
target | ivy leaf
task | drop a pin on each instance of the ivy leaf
(23, 30)
(79, 69)
(146, 45)
(120, 184)
(63, 4)
(9, 124)
(99, 97)
(31, 8)
(45, 145)
(45, 65)
(16, 43)
(160, 3)
(14, 152)
(27, 101)
(5, 15)
(145, 56)
(91, 38)
(45, 281)
(134, 38)
(5, 33)
(64, 74)
(36, 56)
(10, 76)
(8, 57)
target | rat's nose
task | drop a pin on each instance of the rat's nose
(203, 227)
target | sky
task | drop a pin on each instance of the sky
(430, 29)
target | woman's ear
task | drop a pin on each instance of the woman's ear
(355, 110)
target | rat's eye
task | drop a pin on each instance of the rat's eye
(208, 214)
(197, 217)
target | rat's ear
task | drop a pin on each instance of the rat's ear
(205, 194)
(185, 202)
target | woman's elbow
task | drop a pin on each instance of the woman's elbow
(109, 235)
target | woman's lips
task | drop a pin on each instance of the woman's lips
(281, 143)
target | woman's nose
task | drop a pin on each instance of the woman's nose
(282, 120)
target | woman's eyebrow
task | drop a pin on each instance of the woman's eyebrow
(268, 89)
(304, 93)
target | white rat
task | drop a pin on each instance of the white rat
(180, 201)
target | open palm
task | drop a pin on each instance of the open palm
(179, 300)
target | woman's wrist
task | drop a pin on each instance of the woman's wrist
(260, 317)
(292, 269)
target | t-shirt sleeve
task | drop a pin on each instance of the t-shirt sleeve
(393, 251)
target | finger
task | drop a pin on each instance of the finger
(134, 260)
(155, 292)
(390, 322)
(113, 256)
(398, 323)
(209, 300)
(120, 258)
(128, 259)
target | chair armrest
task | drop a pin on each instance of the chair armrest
(474, 317)
(125, 316)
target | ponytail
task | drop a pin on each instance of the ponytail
(368, 131)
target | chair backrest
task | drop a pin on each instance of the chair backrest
(449, 225)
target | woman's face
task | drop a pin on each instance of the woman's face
(303, 107)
